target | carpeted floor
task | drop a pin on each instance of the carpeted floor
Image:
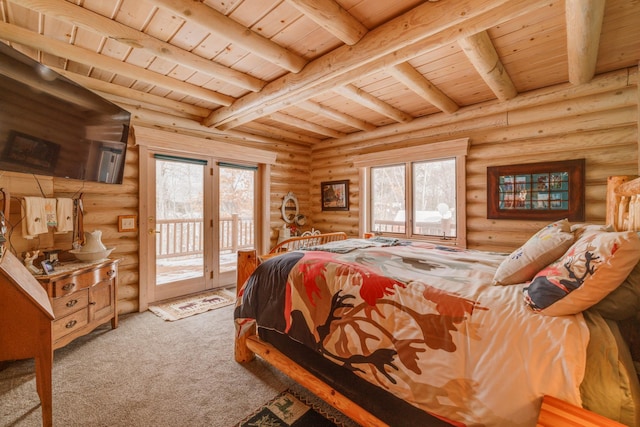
(148, 372)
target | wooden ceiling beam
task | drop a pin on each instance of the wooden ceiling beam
(484, 58)
(340, 117)
(490, 113)
(283, 134)
(230, 30)
(175, 124)
(303, 124)
(366, 99)
(131, 105)
(25, 37)
(111, 90)
(584, 25)
(54, 87)
(415, 81)
(93, 22)
(333, 18)
(420, 30)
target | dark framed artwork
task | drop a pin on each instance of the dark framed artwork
(537, 191)
(335, 195)
(31, 152)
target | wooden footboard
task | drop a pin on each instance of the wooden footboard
(248, 344)
(312, 383)
(556, 413)
(248, 260)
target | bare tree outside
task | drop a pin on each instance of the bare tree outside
(388, 198)
(237, 201)
(433, 198)
(179, 219)
(180, 216)
(179, 189)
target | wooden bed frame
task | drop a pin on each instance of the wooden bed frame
(306, 241)
(622, 212)
(248, 345)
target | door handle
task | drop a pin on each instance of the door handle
(152, 231)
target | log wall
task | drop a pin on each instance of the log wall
(290, 173)
(597, 121)
(103, 203)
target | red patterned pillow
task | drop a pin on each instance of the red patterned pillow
(592, 267)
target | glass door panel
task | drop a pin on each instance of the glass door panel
(236, 215)
(179, 226)
(200, 212)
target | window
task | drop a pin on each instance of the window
(423, 198)
(434, 198)
(388, 188)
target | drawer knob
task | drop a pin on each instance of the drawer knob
(68, 286)
(111, 273)
(72, 303)
(71, 324)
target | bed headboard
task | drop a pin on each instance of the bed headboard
(623, 203)
(299, 242)
(623, 213)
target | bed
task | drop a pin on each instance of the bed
(395, 332)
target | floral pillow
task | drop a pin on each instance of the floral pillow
(581, 229)
(593, 267)
(544, 247)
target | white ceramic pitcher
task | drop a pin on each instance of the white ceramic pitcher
(93, 242)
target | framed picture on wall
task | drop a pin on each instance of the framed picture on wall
(335, 195)
(537, 191)
(127, 223)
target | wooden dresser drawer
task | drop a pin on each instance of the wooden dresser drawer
(67, 285)
(70, 303)
(68, 324)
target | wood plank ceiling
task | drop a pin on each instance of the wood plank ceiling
(305, 71)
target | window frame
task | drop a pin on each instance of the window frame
(457, 149)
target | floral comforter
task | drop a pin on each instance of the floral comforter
(424, 323)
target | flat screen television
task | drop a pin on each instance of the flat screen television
(51, 126)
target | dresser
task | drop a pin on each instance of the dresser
(83, 296)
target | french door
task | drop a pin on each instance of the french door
(200, 211)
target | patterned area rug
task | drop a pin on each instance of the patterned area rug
(180, 308)
(291, 409)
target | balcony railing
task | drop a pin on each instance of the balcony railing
(181, 237)
(422, 228)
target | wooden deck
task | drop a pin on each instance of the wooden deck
(189, 266)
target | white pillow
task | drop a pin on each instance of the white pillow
(544, 247)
